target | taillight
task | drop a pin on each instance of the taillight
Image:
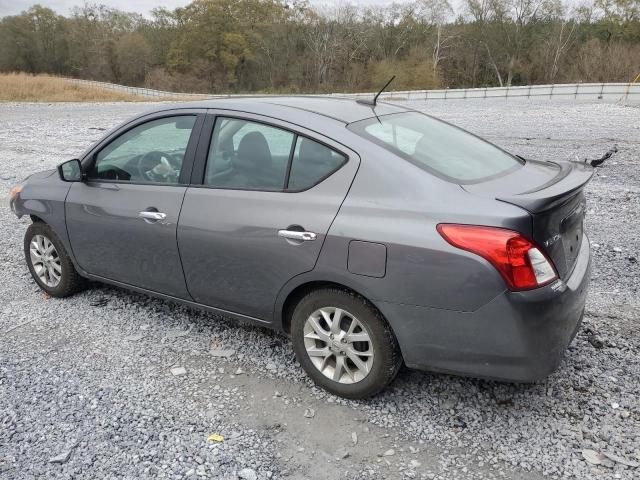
(522, 265)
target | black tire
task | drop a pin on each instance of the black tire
(387, 358)
(70, 281)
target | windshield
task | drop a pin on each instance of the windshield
(443, 149)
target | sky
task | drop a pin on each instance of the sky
(13, 7)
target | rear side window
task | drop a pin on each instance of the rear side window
(438, 147)
(312, 162)
(247, 155)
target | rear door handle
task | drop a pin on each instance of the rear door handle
(153, 216)
(296, 235)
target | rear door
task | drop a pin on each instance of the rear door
(268, 194)
(122, 219)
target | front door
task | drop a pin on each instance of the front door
(122, 219)
(267, 199)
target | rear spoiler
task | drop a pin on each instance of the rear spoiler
(570, 180)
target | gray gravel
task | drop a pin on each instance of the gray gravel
(110, 384)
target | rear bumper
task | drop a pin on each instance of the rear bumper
(518, 336)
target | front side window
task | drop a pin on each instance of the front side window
(438, 147)
(152, 152)
(248, 155)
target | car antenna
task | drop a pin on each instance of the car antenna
(373, 102)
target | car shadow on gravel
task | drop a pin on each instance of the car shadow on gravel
(443, 391)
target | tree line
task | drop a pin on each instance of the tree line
(277, 46)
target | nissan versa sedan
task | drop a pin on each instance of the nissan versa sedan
(371, 234)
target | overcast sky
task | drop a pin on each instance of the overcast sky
(13, 7)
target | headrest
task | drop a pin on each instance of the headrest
(253, 152)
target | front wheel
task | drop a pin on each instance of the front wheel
(49, 263)
(344, 344)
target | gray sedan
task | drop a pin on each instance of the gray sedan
(371, 234)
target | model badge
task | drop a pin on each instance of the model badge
(552, 240)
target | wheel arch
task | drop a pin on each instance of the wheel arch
(60, 230)
(294, 291)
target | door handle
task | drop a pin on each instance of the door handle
(153, 216)
(296, 235)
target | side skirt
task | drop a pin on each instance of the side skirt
(218, 311)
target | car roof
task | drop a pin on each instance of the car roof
(345, 110)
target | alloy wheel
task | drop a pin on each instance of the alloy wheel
(338, 345)
(45, 260)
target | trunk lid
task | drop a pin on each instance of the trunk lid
(552, 192)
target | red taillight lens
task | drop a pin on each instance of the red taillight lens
(522, 265)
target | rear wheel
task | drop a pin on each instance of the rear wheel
(344, 344)
(48, 261)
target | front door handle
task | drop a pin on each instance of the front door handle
(296, 235)
(152, 216)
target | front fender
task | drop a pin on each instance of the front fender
(43, 196)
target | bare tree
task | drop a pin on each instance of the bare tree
(436, 14)
(505, 30)
(557, 45)
(521, 14)
(482, 14)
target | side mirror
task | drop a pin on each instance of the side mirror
(71, 171)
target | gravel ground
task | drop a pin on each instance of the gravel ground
(87, 390)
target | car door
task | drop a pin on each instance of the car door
(122, 218)
(267, 197)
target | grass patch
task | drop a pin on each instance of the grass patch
(23, 87)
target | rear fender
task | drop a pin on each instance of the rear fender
(349, 282)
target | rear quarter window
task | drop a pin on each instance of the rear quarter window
(312, 162)
(438, 147)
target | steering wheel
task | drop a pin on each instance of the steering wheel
(156, 164)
